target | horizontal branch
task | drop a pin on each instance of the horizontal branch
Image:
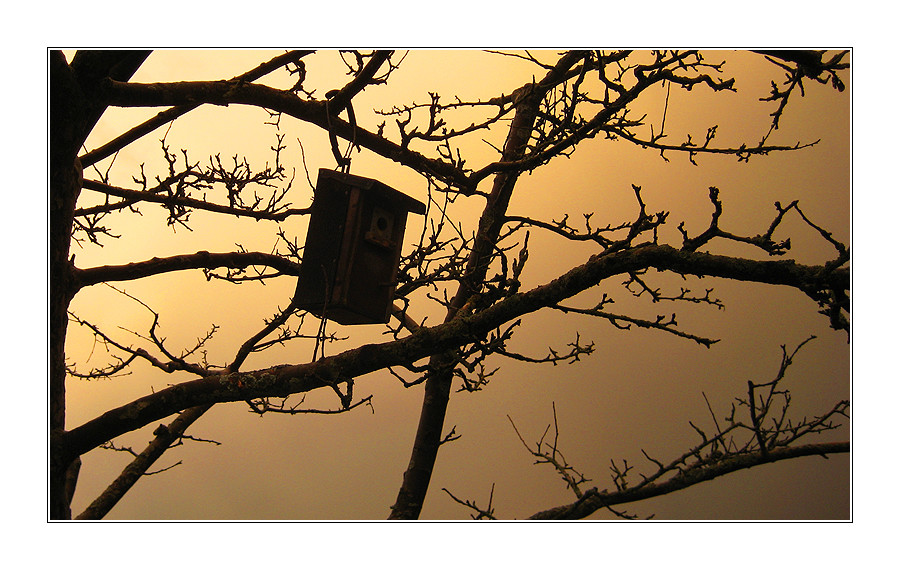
(281, 381)
(594, 500)
(134, 196)
(199, 260)
(742, 151)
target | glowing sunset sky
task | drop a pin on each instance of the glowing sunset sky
(637, 391)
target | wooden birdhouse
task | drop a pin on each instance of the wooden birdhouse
(352, 253)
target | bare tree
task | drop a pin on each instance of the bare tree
(474, 276)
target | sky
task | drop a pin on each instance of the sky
(637, 391)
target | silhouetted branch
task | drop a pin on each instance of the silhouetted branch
(551, 454)
(594, 500)
(199, 260)
(169, 364)
(480, 514)
(807, 64)
(767, 437)
(356, 362)
(264, 405)
(474, 273)
(661, 322)
(226, 92)
(166, 435)
(763, 241)
(135, 196)
(170, 115)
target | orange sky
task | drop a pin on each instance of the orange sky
(638, 391)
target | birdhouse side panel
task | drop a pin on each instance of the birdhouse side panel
(342, 282)
(325, 239)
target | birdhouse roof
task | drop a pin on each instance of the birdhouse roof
(374, 187)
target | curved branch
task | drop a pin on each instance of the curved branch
(122, 94)
(365, 77)
(593, 500)
(252, 343)
(199, 260)
(326, 372)
(743, 152)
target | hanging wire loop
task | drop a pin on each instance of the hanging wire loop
(343, 159)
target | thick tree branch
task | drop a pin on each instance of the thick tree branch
(427, 341)
(315, 112)
(92, 67)
(417, 477)
(364, 78)
(199, 260)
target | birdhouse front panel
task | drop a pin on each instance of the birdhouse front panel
(352, 251)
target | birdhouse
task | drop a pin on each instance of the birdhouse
(352, 253)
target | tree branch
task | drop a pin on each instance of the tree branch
(548, 123)
(594, 500)
(417, 477)
(73, 112)
(360, 81)
(165, 436)
(199, 260)
(134, 196)
(290, 379)
(170, 115)
(739, 445)
(225, 92)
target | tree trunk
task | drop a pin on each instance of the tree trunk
(417, 477)
(66, 115)
(72, 116)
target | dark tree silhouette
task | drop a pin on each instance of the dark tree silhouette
(476, 278)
